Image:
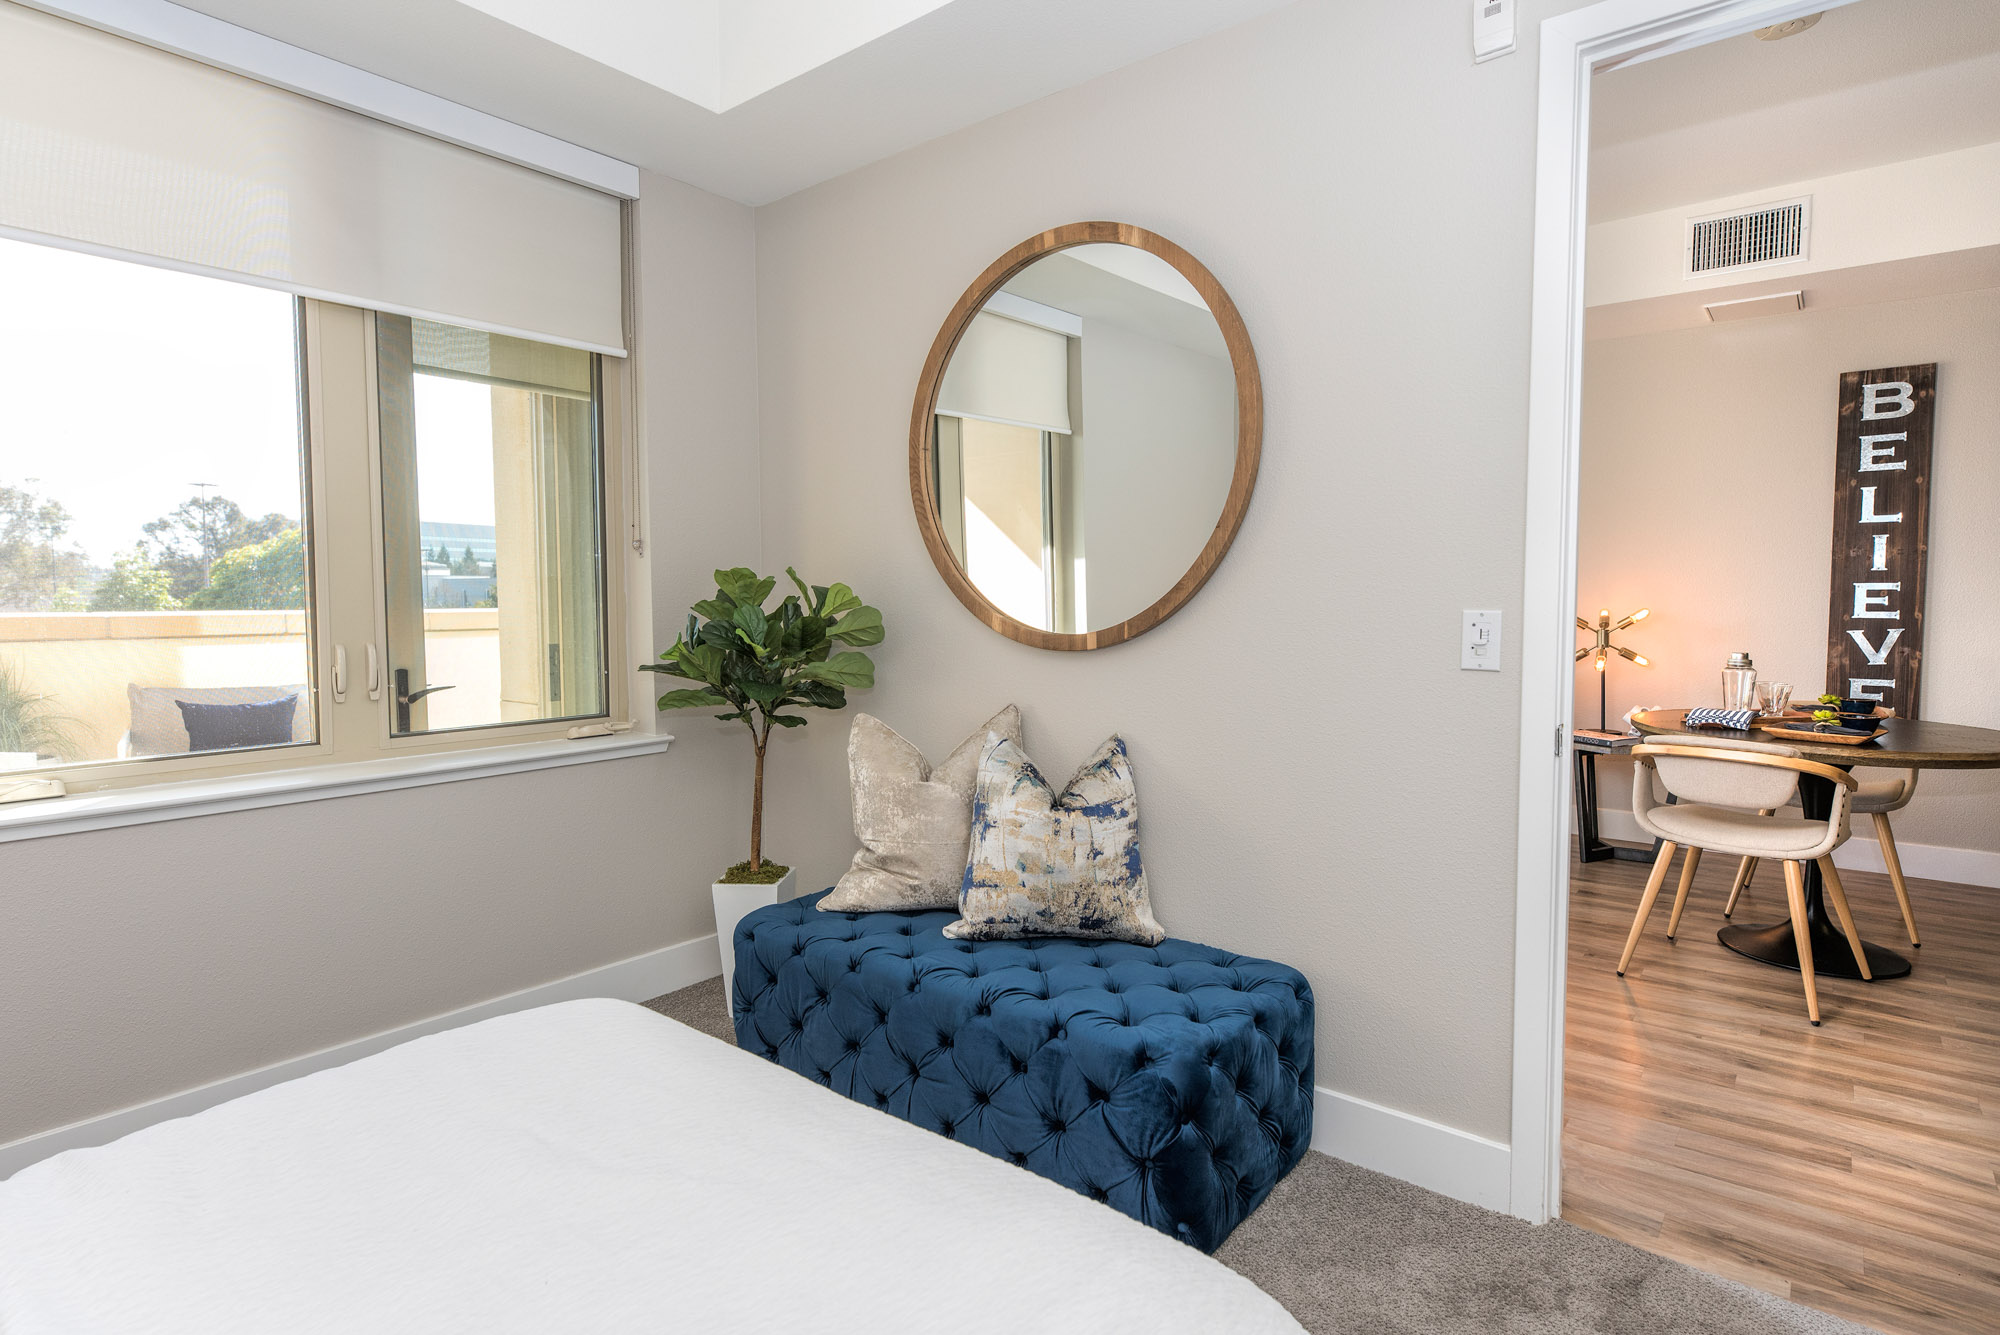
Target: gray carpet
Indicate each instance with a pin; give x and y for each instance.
(1347, 1250)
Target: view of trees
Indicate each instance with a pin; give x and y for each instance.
(39, 572)
(205, 553)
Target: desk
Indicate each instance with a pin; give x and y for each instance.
(1907, 744)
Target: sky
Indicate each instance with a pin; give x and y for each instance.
(125, 384)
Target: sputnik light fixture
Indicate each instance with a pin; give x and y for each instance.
(1601, 651)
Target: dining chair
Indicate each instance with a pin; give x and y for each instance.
(1876, 798)
(1726, 795)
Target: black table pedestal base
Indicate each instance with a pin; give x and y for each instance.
(1832, 957)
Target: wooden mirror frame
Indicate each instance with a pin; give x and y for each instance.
(1249, 431)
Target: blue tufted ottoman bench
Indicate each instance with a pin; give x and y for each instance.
(1174, 1082)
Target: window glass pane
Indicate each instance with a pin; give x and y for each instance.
(492, 528)
(153, 556)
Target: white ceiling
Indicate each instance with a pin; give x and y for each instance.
(802, 100)
(1873, 82)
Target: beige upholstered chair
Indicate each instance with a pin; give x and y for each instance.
(1877, 798)
(1725, 795)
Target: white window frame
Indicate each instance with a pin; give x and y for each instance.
(355, 748)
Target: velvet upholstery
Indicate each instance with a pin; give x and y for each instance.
(1173, 1082)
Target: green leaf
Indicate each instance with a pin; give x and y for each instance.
(848, 669)
(812, 632)
(702, 661)
(714, 610)
(763, 692)
(788, 720)
(839, 598)
(750, 620)
(805, 594)
(819, 695)
(862, 627)
(691, 700)
(718, 635)
(742, 585)
(731, 718)
(668, 669)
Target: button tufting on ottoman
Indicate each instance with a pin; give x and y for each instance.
(1174, 1082)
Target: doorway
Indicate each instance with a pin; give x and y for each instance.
(1558, 964)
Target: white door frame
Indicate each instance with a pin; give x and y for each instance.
(1573, 47)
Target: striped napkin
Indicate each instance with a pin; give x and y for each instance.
(1720, 718)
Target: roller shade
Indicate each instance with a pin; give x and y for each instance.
(112, 146)
(1007, 371)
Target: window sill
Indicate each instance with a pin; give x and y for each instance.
(245, 792)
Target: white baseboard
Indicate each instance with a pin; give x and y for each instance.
(640, 978)
(1434, 1156)
(1930, 862)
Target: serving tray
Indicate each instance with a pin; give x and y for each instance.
(1809, 735)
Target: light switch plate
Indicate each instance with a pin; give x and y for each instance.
(1479, 642)
(1492, 29)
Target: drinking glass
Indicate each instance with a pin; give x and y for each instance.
(1773, 697)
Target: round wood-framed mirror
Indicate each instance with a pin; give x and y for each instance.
(1085, 437)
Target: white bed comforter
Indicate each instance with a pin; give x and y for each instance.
(586, 1167)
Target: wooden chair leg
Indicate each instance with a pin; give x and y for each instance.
(1836, 893)
(1744, 871)
(1795, 892)
(1692, 861)
(1646, 902)
(1887, 839)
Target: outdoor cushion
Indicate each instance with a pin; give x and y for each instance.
(1173, 1082)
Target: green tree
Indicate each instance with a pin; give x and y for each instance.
(188, 541)
(135, 584)
(262, 576)
(39, 572)
(467, 564)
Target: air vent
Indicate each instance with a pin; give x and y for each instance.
(1769, 234)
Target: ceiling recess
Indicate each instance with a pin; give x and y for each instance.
(1748, 238)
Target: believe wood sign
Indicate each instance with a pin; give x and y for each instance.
(1881, 523)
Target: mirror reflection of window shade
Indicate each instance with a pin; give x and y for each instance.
(1007, 371)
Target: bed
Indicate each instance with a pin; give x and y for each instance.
(585, 1167)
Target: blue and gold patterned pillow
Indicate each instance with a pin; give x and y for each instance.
(1043, 864)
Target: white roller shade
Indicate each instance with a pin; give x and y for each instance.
(112, 146)
(1005, 371)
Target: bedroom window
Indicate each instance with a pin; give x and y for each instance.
(492, 534)
(242, 530)
(155, 583)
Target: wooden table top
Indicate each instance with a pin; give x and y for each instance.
(1908, 743)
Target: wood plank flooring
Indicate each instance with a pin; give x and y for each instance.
(1855, 1167)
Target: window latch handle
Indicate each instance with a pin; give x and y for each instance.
(374, 673)
(405, 697)
(339, 673)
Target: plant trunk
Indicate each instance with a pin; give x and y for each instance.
(757, 810)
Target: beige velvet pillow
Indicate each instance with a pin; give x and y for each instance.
(914, 821)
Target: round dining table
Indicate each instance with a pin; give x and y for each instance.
(1904, 744)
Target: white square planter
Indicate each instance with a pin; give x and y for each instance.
(732, 902)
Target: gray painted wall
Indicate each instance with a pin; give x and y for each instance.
(1319, 781)
(135, 963)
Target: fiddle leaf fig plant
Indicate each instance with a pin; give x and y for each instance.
(758, 664)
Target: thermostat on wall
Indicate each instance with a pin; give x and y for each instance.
(1492, 29)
